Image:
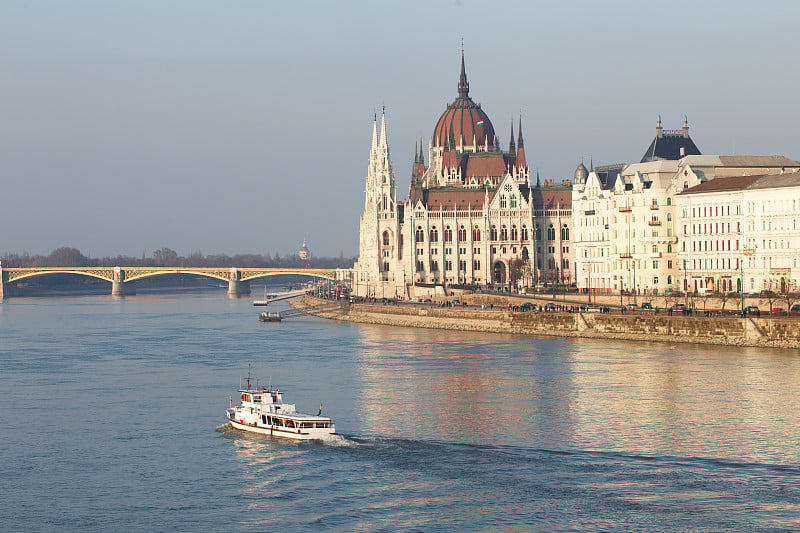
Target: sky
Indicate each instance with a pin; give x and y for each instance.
(245, 126)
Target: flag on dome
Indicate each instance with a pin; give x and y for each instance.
(480, 122)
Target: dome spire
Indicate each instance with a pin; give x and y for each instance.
(463, 84)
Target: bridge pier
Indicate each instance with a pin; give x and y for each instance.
(2, 283)
(236, 287)
(118, 285)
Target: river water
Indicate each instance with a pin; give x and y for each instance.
(113, 418)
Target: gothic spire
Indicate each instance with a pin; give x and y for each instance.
(384, 139)
(511, 148)
(521, 163)
(375, 133)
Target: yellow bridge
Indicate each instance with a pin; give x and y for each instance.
(122, 278)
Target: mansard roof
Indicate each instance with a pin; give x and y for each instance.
(722, 184)
(670, 144)
(452, 198)
(552, 198)
(735, 183)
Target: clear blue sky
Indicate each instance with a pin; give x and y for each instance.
(244, 126)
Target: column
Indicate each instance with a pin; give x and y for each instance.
(119, 287)
(236, 287)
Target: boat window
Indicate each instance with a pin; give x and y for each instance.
(269, 420)
(245, 397)
(257, 399)
(264, 418)
(290, 423)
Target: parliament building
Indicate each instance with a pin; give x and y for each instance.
(472, 218)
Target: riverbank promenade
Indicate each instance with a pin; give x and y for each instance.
(498, 314)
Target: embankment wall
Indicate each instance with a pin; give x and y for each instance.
(731, 331)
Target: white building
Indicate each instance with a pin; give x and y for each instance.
(626, 224)
(741, 228)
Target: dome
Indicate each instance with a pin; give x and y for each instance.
(463, 120)
(581, 174)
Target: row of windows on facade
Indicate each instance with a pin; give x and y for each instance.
(515, 235)
(476, 265)
(478, 251)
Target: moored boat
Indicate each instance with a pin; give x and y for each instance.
(263, 411)
(267, 316)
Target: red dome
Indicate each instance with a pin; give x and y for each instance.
(463, 119)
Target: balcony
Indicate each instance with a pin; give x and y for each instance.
(654, 207)
(589, 212)
(625, 255)
(654, 223)
(625, 209)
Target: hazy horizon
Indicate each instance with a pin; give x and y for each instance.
(245, 127)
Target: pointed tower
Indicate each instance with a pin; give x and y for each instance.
(521, 163)
(379, 225)
(512, 150)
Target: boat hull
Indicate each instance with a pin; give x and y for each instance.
(288, 433)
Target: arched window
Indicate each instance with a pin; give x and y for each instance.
(493, 233)
(551, 233)
(462, 234)
(476, 234)
(669, 217)
(502, 201)
(514, 233)
(386, 238)
(537, 233)
(503, 233)
(564, 233)
(434, 235)
(513, 201)
(420, 237)
(524, 232)
(448, 234)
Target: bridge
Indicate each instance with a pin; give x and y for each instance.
(123, 279)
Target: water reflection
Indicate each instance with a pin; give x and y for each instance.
(669, 400)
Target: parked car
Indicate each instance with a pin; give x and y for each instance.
(778, 311)
(795, 308)
(550, 306)
(628, 308)
(527, 306)
(752, 310)
(647, 305)
(678, 308)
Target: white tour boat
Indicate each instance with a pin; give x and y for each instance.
(263, 411)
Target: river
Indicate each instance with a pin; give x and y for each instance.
(113, 418)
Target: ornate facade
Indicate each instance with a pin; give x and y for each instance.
(472, 217)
